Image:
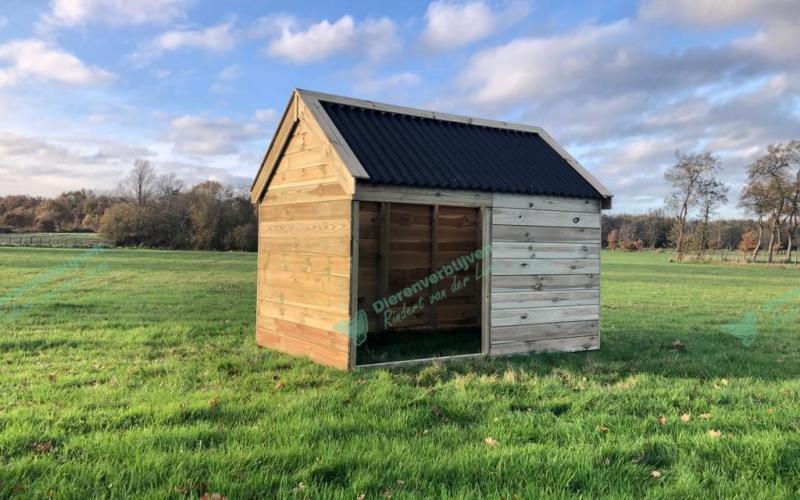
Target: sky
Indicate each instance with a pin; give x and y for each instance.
(196, 86)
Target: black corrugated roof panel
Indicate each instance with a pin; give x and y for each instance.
(407, 150)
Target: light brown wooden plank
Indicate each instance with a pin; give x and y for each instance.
(322, 210)
(332, 228)
(315, 246)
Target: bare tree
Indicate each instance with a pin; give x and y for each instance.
(711, 193)
(773, 189)
(139, 184)
(754, 200)
(689, 171)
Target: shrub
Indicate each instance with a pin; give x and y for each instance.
(121, 224)
(749, 241)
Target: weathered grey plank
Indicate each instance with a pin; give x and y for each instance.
(572, 344)
(547, 218)
(544, 331)
(544, 250)
(544, 282)
(515, 267)
(510, 317)
(545, 203)
(525, 300)
(503, 232)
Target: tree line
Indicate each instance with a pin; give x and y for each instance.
(146, 209)
(686, 222)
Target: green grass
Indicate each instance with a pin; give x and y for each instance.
(134, 374)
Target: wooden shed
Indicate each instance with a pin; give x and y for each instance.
(389, 234)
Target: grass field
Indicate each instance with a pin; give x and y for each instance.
(134, 374)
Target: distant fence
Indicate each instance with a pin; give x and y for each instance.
(53, 240)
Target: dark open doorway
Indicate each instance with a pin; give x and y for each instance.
(418, 281)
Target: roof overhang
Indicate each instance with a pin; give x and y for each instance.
(308, 101)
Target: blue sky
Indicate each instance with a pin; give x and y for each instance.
(196, 86)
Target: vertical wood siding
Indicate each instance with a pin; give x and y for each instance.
(304, 255)
(545, 274)
(416, 245)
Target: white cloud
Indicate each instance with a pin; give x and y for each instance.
(778, 22)
(195, 135)
(36, 59)
(265, 115)
(373, 37)
(718, 12)
(397, 81)
(218, 38)
(539, 67)
(73, 13)
(451, 25)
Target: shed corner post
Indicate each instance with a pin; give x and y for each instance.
(354, 243)
(485, 216)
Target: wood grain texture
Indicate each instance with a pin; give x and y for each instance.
(545, 274)
(304, 261)
(558, 203)
(544, 331)
(532, 300)
(539, 234)
(510, 317)
(572, 344)
(545, 282)
(545, 218)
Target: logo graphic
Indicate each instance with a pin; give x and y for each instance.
(356, 328)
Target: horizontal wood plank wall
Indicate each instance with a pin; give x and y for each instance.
(304, 256)
(545, 274)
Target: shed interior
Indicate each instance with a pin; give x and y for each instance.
(400, 246)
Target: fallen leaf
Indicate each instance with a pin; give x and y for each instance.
(655, 474)
(724, 381)
(705, 416)
(401, 482)
(214, 403)
(662, 420)
(685, 417)
(51, 376)
(213, 496)
(602, 428)
(361, 381)
(279, 386)
(490, 441)
(361, 496)
(714, 433)
(770, 411)
(386, 493)
(42, 448)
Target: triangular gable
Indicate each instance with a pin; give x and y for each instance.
(307, 110)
